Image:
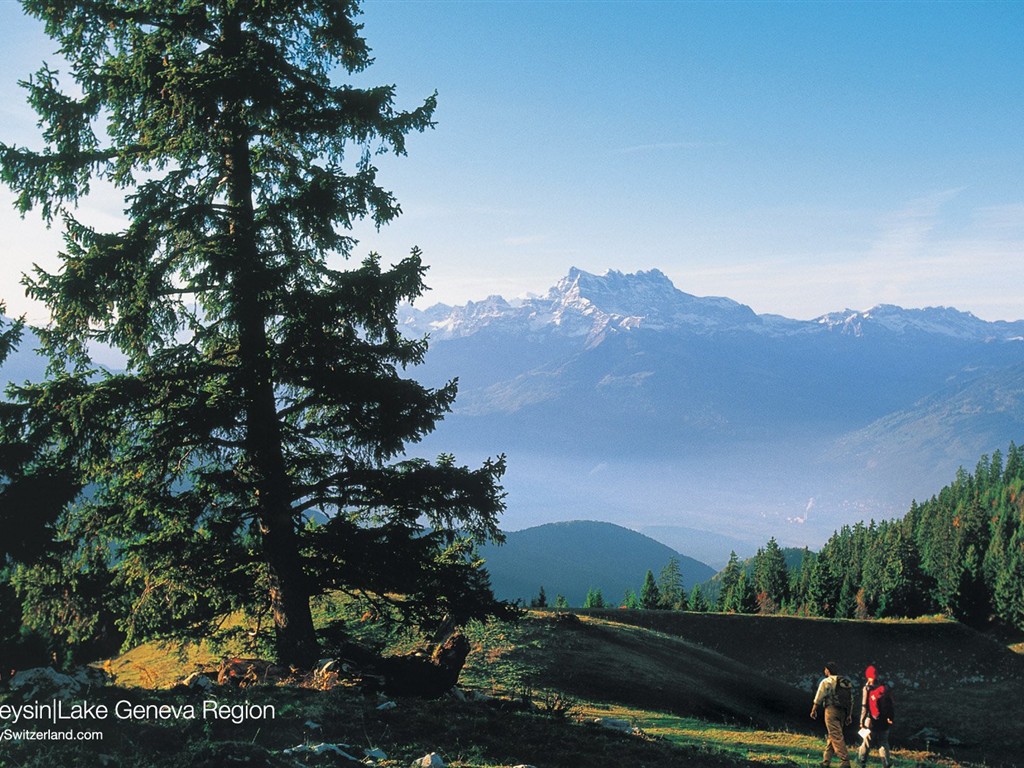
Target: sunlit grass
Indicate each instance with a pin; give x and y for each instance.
(760, 746)
(527, 662)
(159, 665)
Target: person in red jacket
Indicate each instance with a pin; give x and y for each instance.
(876, 717)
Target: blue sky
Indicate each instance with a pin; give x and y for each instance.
(797, 157)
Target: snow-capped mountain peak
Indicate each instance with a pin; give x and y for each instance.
(941, 321)
(588, 306)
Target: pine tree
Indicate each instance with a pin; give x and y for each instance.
(541, 600)
(594, 599)
(771, 577)
(727, 599)
(1008, 595)
(901, 581)
(10, 608)
(698, 602)
(822, 592)
(670, 586)
(744, 596)
(799, 582)
(1014, 464)
(650, 595)
(846, 608)
(250, 456)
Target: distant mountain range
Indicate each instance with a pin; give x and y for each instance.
(571, 558)
(619, 397)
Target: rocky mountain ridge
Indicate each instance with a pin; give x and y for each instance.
(584, 304)
(619, 397)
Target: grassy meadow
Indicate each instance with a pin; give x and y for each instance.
(535, 691)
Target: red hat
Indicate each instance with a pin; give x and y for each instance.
(871, 673)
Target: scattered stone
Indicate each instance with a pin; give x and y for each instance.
(387, 705)
(44, 682)
(198, 680)
(614, 724)
(90, 677)
(933, 737)
(457, 694)
(323, 749)
(433, 760)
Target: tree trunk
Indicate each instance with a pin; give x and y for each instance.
(289, 591)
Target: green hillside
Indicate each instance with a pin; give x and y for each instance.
(571, 558)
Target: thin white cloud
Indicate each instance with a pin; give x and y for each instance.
(1001, 218)
(928, 252)
(906, 231)
(800, 520)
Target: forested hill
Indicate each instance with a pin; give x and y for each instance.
(960, 553)
(572, 558)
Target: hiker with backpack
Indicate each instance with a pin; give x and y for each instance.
(876, 717)
(835, 697)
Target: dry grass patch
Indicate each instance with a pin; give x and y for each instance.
(159, 665)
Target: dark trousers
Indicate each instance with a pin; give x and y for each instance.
(877, 738)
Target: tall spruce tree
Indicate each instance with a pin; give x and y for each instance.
(650, 595)
(771, 577)
(728, 598)
(251, 454)
(670, 586)
(697, 601)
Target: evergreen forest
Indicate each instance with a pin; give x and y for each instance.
(960, 554)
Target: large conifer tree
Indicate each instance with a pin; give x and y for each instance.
(771, 576)
(251, 454)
